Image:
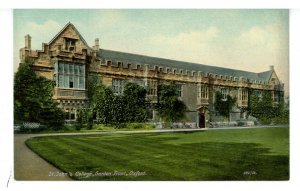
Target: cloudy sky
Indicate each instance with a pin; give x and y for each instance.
(241, 39)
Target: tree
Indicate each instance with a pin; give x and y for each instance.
(135, 104)
(94, 85)
(266, 111)
(170, 108)
(95, 93)
(25, 103)
(262, 108)
(117, 109)
(266, 105)
(53, 117)
(103, 100)
(223, 107)
(109, 107)
(254, 107)
(89, 119)
(33, 98)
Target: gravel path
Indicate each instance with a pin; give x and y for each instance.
(29, 166)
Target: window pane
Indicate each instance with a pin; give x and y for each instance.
(81, 82)
(71, 68)
(179, 88)
(81, 69)
(115, 85)
(60, 80)
(76, 69)
(72, 116)
(67, 115)
(66, 81)
(71, 81)
(76, 82)
(60, 68)
(66, 68)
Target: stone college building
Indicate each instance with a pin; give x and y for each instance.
(69, 61)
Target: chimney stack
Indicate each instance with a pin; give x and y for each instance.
(272, 68)
(96, 44)
(28, 42)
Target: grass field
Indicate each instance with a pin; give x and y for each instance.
(244, 154)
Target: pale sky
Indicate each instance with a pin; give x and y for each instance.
(249, 40)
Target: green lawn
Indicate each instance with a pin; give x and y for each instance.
(244, 154)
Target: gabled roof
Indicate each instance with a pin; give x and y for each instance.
(63, 29)
(142, 60)
(266, 75)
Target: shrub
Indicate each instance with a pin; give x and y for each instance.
(265, 120)
(139, 126)
(169, 107)
(120, 125)
(79, 119)
(89, 120)
(282, 118)
(103, 127)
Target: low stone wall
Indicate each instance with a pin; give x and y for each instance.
(239, 123)
(160, 125)
(28, 126)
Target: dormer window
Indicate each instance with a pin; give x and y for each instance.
(70, 44)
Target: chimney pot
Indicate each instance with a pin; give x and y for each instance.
(96, 44)
(28, 41)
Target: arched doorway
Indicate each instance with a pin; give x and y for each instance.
(201, 120)
(202, 116)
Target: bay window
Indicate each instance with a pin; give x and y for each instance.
(69, 75)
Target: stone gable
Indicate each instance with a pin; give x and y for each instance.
(69, 33)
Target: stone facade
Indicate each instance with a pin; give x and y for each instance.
(69, 61)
